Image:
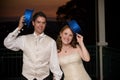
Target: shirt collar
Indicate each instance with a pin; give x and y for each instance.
(40, 35)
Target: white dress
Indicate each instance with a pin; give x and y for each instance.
(73, 67)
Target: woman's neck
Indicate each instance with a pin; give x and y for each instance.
(66, 48)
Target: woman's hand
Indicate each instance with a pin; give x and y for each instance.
(79, 38)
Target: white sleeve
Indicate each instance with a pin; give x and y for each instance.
(11, 41)
(54, 63)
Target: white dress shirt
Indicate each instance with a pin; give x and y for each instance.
(39, 54)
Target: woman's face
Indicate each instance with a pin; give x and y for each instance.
(66, 36)
(39, 25)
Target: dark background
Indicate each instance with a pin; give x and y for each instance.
(112, 17)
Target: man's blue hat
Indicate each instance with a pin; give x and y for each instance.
(28, 16)
(74, 26)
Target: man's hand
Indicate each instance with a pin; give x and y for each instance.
(21, 24)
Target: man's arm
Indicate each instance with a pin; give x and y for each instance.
(54, 63)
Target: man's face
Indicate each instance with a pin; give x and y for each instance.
(39, 24)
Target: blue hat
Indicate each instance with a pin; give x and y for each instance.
(74, 26)
(28, 16)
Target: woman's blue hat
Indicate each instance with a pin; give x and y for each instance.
(74, 26)
(28, 16)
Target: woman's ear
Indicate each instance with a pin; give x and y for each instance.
(60, 34)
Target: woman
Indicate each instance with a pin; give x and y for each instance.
(71, 52)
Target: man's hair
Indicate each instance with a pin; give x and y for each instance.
(37, 14)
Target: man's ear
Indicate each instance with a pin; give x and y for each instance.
(33, 23)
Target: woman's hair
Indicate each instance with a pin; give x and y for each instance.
(59, 41)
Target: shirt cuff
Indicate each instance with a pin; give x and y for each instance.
(56, 77)
(15, 32)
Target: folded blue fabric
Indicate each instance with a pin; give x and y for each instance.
(28, 16)
(74, 26)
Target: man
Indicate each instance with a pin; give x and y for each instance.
(39, 50)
